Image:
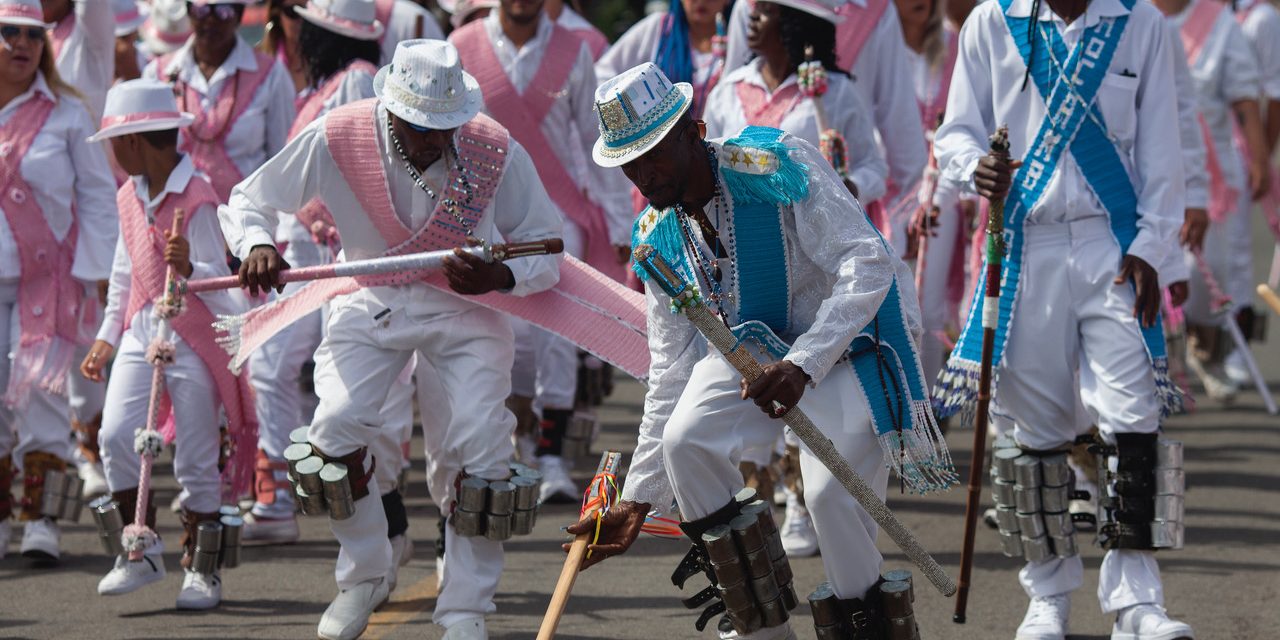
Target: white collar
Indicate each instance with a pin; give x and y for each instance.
(497, 36)
(750, 74)
(39, 85)
(241, 57)
(177, 183)
(1096, 10)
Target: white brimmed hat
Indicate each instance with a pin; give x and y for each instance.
(140, 105)
(167, 28)
(26, 13)
(352, 18)
(426, 86)
(825, 9)
(462, 9)
(130, 14)
(636, 109)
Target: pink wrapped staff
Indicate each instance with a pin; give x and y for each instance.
(148, 441)
(425, 261)
(1223, 303)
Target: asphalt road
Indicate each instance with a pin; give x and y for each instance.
(1226, 582)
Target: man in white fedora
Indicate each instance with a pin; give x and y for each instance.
(242, 99)
(415, 169)
(538, 81)
(142, 122)
(768, 233)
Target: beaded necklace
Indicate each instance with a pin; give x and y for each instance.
(708, 265)
(464, 185)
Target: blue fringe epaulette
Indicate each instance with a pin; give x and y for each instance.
(756, 167)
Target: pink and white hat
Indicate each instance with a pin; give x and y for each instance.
(25, 13)
(130, 14)
(352, 18)
(825, 9)
(462, 9)
(135, 106)
(167, 28)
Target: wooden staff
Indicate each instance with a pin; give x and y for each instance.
(990, 313)
(592, 506)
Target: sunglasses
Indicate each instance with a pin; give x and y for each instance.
(223, 12)
(13, 32)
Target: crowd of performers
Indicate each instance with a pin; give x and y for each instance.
(814, 173)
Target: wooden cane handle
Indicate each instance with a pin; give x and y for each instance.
(564, 586)
(1269, 297)
(178, 215)
(502, 252)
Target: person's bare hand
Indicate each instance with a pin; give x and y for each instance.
(1178, 292)
(177, 253)
(260, 270)
(96, 360)
(470, 275)
(1195, 223)
(1259, 180)
(619, 529)
(782, 382)
(1146, 305)
(994, 176)
(622, 252)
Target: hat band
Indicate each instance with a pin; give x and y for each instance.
(8, 10)
(128, 16)
(424, 103)
(665, 110)
(143, 116)
(337, 20)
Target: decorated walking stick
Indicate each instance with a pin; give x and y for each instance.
(686, 299)
(601, 495)
(148, 441)
(990, 313)
(1223, 304)
(812, 78)
(425, 261)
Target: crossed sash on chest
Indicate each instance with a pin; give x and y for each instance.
(1074, 123)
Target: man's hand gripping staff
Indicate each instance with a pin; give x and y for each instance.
(621, 526)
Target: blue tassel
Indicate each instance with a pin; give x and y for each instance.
(786, 186)
(665, 237)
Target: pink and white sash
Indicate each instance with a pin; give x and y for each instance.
(62, 32)
(852, 34)
(595, 41)
(382, 10)
(763, 109)
(586, 307)
(522, 115)
(49, 299)
(195, 324)
(206, 139)
(1195, 32)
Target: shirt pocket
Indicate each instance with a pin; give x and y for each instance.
(1117, 99)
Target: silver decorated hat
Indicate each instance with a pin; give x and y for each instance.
(636, 109)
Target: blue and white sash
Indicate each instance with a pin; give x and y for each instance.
(883, 355)
(1075, 122)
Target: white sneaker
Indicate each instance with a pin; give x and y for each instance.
(989, 518)
(6, 531)
(1236, 369)
(557, 486)
(95, 482)
(175, 505)
(262, 530)
(798, 537)
(526, 449)
(1149, 622)
(40, 540)
(127, 576)
(401, 554)
(348, 614)
(469, 629)
(199, 590)
(1217, 385)
(1046, 618)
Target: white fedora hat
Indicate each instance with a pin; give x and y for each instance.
(130, 14)
(140, 105)
(426, 86)
(167, 28)
(352, 18)
(636, 109)
(825, 9)
(462, 9)
(23, 12)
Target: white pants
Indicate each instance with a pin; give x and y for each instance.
(42, 423)
(358, 361)
(934, 307)
(1229, 254)
(1072, 324)
(196, 414)
(546, 365)
(710, 427)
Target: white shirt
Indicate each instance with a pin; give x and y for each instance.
(208, 260)
(1139, 108)
(88, 57)
(1196, 179)
(840, 272)
(64, 171)
(1225, 72)
(1262, 28)
(408, 21)
(640, 44)
(262, 129)
(879, 73)
(304, 169)
(571, 118)
(845, 111)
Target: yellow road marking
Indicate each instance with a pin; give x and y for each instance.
(405, 606)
